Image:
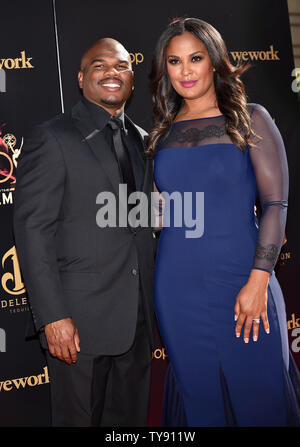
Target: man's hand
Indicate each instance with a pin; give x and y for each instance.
(63, 340)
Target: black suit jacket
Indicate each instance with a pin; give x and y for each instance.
(71, 267)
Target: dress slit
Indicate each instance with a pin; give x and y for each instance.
(173, 413)
(228, 408)
(292, 393)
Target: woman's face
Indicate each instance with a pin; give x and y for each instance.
(189, 67)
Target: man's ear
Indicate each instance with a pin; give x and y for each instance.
(80, 79)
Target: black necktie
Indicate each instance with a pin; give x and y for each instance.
(122, 154)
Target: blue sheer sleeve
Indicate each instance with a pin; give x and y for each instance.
(269, 162)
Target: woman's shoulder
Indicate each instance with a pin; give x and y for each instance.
(252, 106)
(262, 122)
(257, 111)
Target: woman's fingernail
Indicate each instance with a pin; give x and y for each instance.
(235, 317)
(237, 334)
(246, 340)
(268, 331)
(255, 338)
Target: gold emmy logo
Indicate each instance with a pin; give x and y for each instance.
(8, 156)
(12, 279)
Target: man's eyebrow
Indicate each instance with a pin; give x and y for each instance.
(97, 60)
(120, 61)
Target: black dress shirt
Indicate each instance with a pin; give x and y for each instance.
(101, 117)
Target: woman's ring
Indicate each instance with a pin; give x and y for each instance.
(257, 320)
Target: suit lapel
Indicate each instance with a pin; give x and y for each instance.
(97, 143)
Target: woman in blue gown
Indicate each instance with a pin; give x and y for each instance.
(219, 306)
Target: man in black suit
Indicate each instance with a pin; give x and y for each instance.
(89, 287)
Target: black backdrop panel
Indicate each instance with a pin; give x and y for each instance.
(32, 94)
(255, 31)
(28, 56)
(245, 26)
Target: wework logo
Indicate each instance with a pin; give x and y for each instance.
(16, 63)
(271, 55)
(2, 340)
(22, 382)
(294, 325)
(11, 64)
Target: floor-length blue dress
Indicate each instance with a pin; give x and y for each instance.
(216, 379)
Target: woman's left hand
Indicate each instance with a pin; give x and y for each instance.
(251, 303)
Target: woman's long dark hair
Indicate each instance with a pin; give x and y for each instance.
(230, 92)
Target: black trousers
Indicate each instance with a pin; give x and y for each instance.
(104, 390)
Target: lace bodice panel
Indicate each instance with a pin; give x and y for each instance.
(196, 132)
(270, 168)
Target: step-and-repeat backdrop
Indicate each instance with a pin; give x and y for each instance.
(40, 51)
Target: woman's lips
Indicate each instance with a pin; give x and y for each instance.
(188, 84)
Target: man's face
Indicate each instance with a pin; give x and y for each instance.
(106, 76)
